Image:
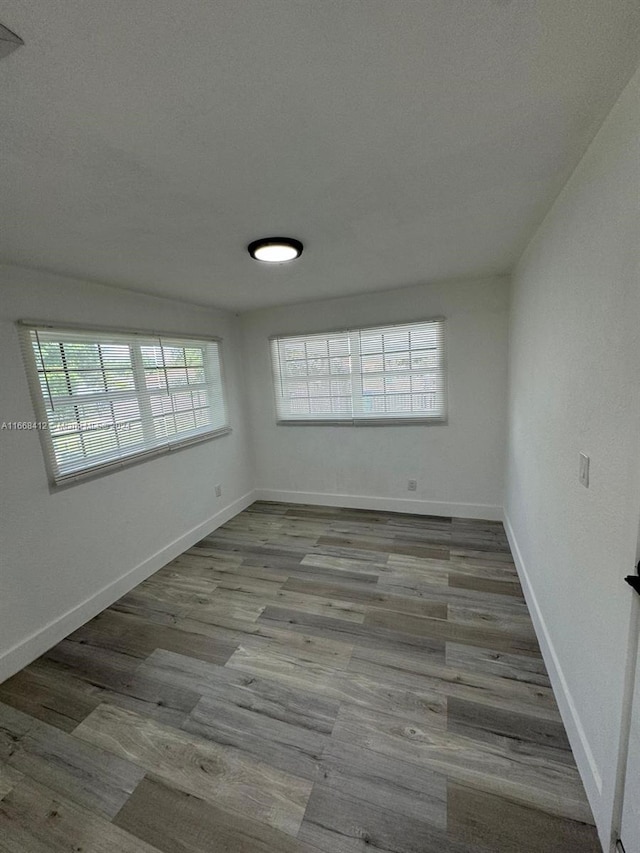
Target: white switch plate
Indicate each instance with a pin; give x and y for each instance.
(583, 475)
(412, 485)
(218, 491)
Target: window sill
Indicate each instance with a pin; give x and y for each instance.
(66, 481)
(367, 422)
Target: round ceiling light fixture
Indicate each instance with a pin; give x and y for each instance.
(275, 250)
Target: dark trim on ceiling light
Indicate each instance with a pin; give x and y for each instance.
(263, 242)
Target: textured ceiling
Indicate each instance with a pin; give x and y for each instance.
(146, 142)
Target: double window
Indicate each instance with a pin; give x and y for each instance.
(104, 398)
(377, 375)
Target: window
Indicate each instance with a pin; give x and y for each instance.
(106, 398)
(380, 375)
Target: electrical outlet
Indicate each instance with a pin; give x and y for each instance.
(218, 491)
(583, 474)
(412, 485)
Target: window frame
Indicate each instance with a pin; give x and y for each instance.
(355, 420)
(58, 481)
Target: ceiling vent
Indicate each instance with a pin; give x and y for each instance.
(8, 42)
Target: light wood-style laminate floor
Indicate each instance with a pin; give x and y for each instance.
(304, 679)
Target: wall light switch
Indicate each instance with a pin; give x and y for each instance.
(218, 491)
(583, 475)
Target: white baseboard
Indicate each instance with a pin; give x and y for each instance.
(582, 752)
(27, 650)
(418, 507)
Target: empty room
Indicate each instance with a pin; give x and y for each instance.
(320, 426)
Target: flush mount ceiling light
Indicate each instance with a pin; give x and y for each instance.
(275, 250)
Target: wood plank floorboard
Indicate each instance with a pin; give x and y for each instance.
(36, 819)
(90, 676)
(386, 782)
(550, 785)
(419, 672)
(497, 725)
(499, 586)
(176, 822)
(9, 778)
(198, 766)
(48, 699)
(475, 816)
(358, 689)
(513, 667)
(289, 748)
(340, 823)
(375, 597)
(302, 680)
(386, 636)
(137, 638)
(85, 774)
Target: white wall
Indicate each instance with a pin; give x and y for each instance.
(574, 386)
(66, 556)
(458, 466)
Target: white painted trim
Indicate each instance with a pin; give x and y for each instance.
(419, 507)
(582, 752)
(27, 650)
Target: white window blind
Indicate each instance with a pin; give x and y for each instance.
(376, 375)
(105, 397)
